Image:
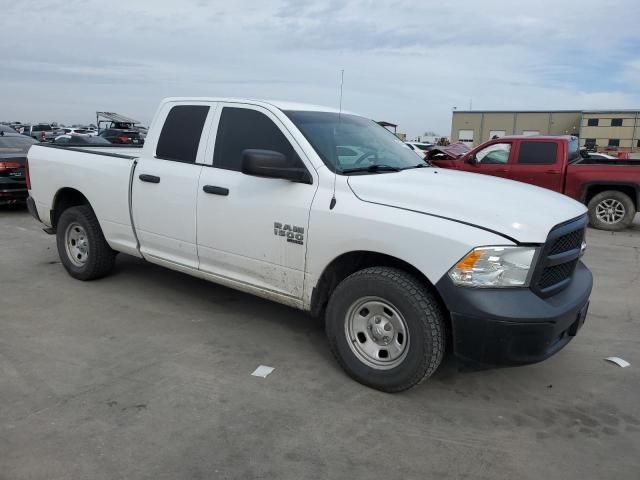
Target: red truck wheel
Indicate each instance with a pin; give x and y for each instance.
(611, 210)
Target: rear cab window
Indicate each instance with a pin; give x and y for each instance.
(181, 132)
(537, 153)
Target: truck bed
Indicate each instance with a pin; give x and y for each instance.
(102, 174)
(123, 151)
(612, 161)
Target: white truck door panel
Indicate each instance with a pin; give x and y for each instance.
(165, 212)
(165, 184)
(253, 229)
(257, 233)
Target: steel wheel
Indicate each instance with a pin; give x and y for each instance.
(377, 333)
(76, 244)
(610, 211)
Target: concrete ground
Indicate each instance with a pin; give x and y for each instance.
(146, 374)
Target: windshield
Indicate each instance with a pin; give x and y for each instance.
(346, 142)
(15, 144)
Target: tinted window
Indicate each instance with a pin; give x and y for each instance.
(592, 122)
(616, 122)
(537, 153)
(614, 142)
(180, 135)
(241, 129)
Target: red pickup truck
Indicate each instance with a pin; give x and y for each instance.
(610, 188)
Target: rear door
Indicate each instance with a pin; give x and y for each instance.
(494, 159)
(539, 162)
(253, 230)
(165, 184)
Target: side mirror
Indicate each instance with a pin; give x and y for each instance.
(471, 160)
(271, 164)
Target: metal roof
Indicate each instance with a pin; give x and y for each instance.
(116, 117)
(518, 111)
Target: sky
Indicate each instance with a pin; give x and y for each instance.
(407, 62)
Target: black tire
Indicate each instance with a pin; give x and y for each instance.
(421, 312)
(100, 258)
(612, 196)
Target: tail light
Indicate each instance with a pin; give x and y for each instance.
(26, 174)
(123, 138)
(9, 165)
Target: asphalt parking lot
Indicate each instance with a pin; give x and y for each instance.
(146, 374)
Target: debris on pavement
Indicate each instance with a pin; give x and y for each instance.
(262, 371)
(618, 361)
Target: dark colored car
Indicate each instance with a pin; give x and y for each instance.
(7, 129)
(80, 140)
(13, 156)
(116, 135)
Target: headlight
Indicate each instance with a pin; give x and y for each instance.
(494, 267)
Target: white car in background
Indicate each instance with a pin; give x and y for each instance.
(75, 131)
(420, 148)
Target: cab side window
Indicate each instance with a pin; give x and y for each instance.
(495, 154)
(181, 133)
(537, 153)
(241, 129)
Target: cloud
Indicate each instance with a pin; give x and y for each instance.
(407, 62)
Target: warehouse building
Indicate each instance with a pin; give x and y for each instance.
(613, 130)
(476, 127)
(606, 130)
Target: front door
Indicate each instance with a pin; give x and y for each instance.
(491, 160)
(253, 230)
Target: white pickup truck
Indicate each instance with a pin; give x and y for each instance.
(330, 213)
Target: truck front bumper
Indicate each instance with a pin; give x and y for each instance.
(502, 326)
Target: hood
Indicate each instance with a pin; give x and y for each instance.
(517, 210)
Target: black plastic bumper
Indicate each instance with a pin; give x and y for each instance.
(31, 206)
(515, 326)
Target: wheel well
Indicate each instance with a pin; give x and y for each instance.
(629, 190)
(348, 263)
(65, 199)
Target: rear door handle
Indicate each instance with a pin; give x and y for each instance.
(149, 178)
(554, 172)
(216, 190)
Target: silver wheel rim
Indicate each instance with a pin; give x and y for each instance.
(76, 244)
(610, 211)
(377, 333)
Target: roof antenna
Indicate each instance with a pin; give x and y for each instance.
(335, 168)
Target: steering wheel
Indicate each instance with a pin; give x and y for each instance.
(364, 156)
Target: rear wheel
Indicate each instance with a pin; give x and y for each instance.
(83, 250)
(385, 328)
(611, 210)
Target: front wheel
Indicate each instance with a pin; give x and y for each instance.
(386, 329)
(611, 210)
(83, 250)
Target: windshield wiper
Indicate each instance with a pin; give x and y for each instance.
(419, 165)
(371, 169)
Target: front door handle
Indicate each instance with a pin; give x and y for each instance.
(552, 172)
(215, 190)
(149, 178)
